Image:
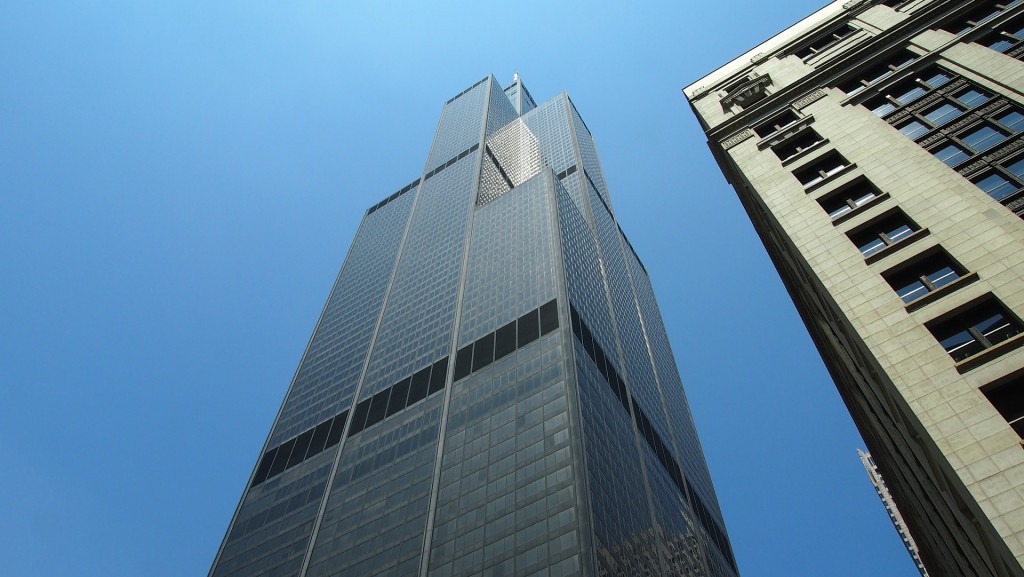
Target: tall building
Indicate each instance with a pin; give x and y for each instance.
(877, 148)
(882, 490)
(489, 389)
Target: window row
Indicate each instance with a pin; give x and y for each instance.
(368, 412)
(504, 341)
(566, 172)
(381, 204)
(824, 41)
(967, 21)
(924, 106)
(1006, 37)
(451, 161)
(305, 446)
(478, 83)
(981, 326)
(399, 396)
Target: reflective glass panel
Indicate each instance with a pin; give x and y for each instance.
(913, 129)
(1017, 168)
(1013, 120)
(942, 114)
(983, 137)
(951, 154)
(996, 186)
(972, 97)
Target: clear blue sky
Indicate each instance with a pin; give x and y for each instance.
(179, 182)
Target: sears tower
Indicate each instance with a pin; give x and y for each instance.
(489, 389)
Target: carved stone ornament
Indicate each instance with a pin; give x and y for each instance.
(991, 107)
(1004, 151)
(953, 86)
(967, 121)
(810, 97)
(976, 165)
(897, 117)
(924, 102)
(737, 138)
(747, 93)
(925, 143)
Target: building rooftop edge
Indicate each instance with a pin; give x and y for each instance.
(779, 39)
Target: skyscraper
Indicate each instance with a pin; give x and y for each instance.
(878, 148)
(490, 389)
(882, 490)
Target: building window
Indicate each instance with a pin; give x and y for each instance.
(776, 124)
(1008, 399)
(1005, 37)
(961, 146)
(791, 147)
(869, 76)
(1003, 180)
(951, 154)
(849, 199)
(907, 91)
(825, 41)
(821, 169)
(982, 326)
(924, 275)
(969, 21)
(883, 233)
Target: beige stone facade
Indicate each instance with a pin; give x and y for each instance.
(878, 148)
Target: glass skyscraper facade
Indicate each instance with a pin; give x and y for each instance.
(489, 389)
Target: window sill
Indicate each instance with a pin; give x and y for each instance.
(914, 237)
(942, 291)
(805, 152)
(785, 132)
(990, 353)
(860, 209)
(830, 178)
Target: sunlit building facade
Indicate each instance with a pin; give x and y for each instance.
(878, 149)
(489, 389)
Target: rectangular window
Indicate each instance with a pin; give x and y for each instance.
(972, 97)
(1008, 35)
(804, 140)
(883, 233)
(849, 199)
(951, 154)
(907, 91)
(825, 41)
(821, 169)
(942, 113)
(924, 275)
(970, 20)
(980, 327)
(995, 185)
(868, 76)
(1011, 119)
(913, 129)
(775, 124)
(1008, 399)
(982, 137)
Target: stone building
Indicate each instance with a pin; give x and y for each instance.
(877, 147)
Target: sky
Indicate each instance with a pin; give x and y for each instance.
(180, 181)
